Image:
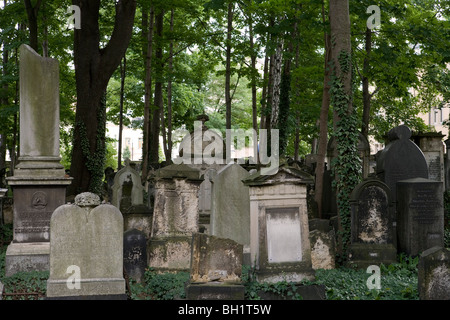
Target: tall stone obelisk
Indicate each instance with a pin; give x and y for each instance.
(39, 182)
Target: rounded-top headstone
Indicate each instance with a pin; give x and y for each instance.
(401, 132)
(87, 199)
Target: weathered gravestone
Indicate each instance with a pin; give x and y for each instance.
(433, 149)
(135, 254)
(279, 232)
(128, 197)
(216, 269)
(372, 229)
(39, 182)
(420, 215)
(127, 189)
(230, 217)
(434, 274)
(323, 244)
(175, 217)
(86, 251)
(204, 201)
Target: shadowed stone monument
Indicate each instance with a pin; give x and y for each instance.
(86, 251)
(420, 215)
(39, 182)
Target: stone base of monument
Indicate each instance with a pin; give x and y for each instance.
(362, 255)
(87, 288)
(170, 253)
(290, 273)
(26, 257)
(215, 291)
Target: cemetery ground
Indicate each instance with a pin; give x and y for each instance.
(398, 282)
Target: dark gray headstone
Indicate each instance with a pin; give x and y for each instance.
(135, 254)
(434, 274)
(401, 159)
(372, 229)
(420, 215)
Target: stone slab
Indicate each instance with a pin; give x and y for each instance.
(26, 257)
(210, 291)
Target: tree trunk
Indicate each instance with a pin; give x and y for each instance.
(341, 58)
(123, 68)
(32, 14)
(262, 124)
(148, 54)
(323, 123)
(228, 66)
(93, 69)
(254, 75)
(169, 95)
(365, 84)
(158, 99)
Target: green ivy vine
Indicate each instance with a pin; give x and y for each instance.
(347, 166)
(95, 161)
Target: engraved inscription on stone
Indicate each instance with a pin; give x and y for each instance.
(425, 206)
(284, 242)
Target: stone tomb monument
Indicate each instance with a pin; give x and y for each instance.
(434, 274)
(39, 182)
(135, 254)
(420, 215)
(86, 251)
(372, 229)
(216, 269)
(230, 217)
(433, 149)
(175, 217)
(279, 232)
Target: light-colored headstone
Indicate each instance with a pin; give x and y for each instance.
(39, 182)
(230, 216)
(86, 245)
(127, 177)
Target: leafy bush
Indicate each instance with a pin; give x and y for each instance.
(398, 282)
(21, 284)
(160, 286)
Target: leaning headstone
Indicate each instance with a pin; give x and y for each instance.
(175, 217)
(401, 159)
(420, 210)
(434, 274)
(279, 231)
(135, 254)
(372, 230)
(216, 269)
(86, 251)
(230, 217)
(39, 182)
